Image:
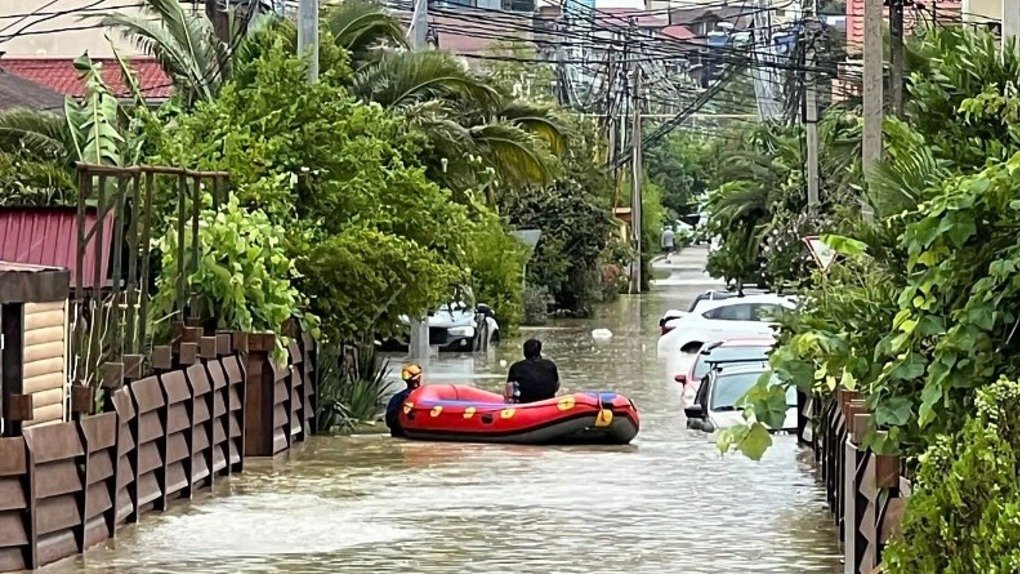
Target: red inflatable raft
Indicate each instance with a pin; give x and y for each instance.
(464, 413)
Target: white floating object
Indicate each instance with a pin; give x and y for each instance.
(601, 334)
(502, 363)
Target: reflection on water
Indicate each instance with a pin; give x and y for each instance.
(666, 503)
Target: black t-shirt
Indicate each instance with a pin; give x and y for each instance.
(537, 379)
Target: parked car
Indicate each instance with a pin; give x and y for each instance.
(710, 295)
(744, 350)
(454, 327)
(733, 317)
(716, 404)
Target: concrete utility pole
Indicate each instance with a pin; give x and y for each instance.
(420, 25)
(1010, 22)
(418, 346)
(873, 104)
(811, 126)
(896, 56)
(636, 179)
(308, 36)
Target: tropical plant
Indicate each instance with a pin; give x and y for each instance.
(183, 41)
(241, 280)
(361, 217)
(364, 29)
(92, 123)
(964, 512)
(469, 125)
(25, 180)
(921, 315)
(352, 387)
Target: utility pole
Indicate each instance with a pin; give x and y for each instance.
(420, 25)
(897, 59)
(308, 36)
(873, 105)
(636, 178)
(418, 344)
(1010, 23)
(811, 123)
(220, 20)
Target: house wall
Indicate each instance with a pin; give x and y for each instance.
(45, 362)
(982, 10)
(57, 29)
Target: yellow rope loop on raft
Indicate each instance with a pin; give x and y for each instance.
(469, 412)
(436, 410)
(408, 407)
(604, 418)
(566, 403)
(507, 413)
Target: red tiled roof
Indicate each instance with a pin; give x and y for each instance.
(49, 236)
(59, 75)
(677, 32)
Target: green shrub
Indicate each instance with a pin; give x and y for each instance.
(495, 261)
(243, 280)
(536, 304)
(964, 515)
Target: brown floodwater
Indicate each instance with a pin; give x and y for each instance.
(666, 503)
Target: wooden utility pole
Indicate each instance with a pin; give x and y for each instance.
(1010, 23)
(636, 179)
(308, 36)
(897, 59)
(871, 151)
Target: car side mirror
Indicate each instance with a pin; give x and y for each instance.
(681, 378)
(693, 412)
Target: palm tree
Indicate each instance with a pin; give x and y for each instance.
(184, 43)
(365, 29)
(466, 120)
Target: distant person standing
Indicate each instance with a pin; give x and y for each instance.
(536, 377)
(667, 243)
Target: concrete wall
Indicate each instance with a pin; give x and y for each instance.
(57, 29)
(982, 10)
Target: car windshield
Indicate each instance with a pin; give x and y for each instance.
(729, 389)
(702, 366)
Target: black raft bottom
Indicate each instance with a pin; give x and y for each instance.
(576, 431)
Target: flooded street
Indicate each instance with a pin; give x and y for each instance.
(666, 503)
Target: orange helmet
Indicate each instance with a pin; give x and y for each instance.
(411, 374)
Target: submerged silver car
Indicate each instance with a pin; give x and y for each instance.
(716, 405)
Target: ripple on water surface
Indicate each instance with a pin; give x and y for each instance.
(667, 503)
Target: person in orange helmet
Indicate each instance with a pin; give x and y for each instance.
(411, 375)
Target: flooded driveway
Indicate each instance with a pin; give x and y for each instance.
(666, 503)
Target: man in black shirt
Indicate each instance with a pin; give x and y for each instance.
(536, 376)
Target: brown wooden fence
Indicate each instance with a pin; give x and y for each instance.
(68, 486)
(865, 491)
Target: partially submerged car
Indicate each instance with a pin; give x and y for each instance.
(666, 322)
(716, 406)
(729, 318)
(454, 327)
(741, 350)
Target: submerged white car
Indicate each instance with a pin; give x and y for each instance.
(723, 319)
(455, 327)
